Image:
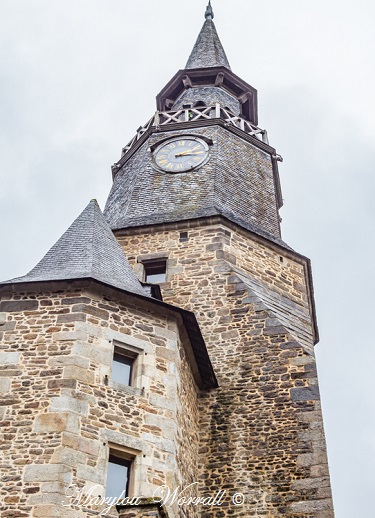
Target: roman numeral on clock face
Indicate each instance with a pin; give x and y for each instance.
(181, 154)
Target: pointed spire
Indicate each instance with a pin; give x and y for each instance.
(88, 249)
(209, 15)
(208, 50)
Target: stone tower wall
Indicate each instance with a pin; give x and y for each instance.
(261, 430)
(60, 415)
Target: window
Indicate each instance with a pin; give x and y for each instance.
(118, 475)
(123, 366)
(155, 271)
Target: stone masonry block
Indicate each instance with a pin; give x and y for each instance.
(75, 317)
(15, 306)
(168, 426)
(53, 487)
(324, 492)
(68, 336)
(4, 385)
(46, 498)
(47, 473)
(51, 422)
(123, 440)
(163, 402)
(92, 474)
(91, 310)
(166, 333)
(305, 393)
(311, 483)
(70, 359)
(55, 511)
(312, 459)
(142, 345)
(81, 444)
(8, 358)
(69, 404)
(80, 374)
(319, 471)
(165, 445)
(302, 360)
(8, 326)
(168, 354)
(75, 300)
(97, 354)
(311, 506)
(313, 417)
(89, 329)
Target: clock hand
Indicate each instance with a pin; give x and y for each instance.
(185, 153)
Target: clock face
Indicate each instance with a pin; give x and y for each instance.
(180, 154)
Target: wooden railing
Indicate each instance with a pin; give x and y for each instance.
(196, 114)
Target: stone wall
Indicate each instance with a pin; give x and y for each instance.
(61, 411)
(261, 430)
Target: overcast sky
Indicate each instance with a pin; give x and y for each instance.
(78, 77)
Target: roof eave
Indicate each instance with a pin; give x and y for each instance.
(206, 378)
(220, 77)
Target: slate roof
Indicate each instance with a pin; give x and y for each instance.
(88, 249)
(208, 50)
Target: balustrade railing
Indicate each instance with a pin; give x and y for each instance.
(163, 118)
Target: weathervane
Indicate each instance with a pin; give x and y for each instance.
(209, 15)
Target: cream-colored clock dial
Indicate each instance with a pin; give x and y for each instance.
(179, 155)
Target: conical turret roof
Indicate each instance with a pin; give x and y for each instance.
(88, 249)
(208, 50)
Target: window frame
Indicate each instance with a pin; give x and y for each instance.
(130, 358)
(136, 355)
(155, 264)
(124, 458)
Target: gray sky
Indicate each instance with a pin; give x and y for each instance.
(78, 77)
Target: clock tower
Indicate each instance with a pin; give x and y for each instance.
(195, 205)
(159, 360)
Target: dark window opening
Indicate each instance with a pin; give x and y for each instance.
(122, 367)
(184, 236)
(200, 104)
(155, 271)
(153, 290)
(118, 477)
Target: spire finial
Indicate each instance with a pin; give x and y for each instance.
(209, 14)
